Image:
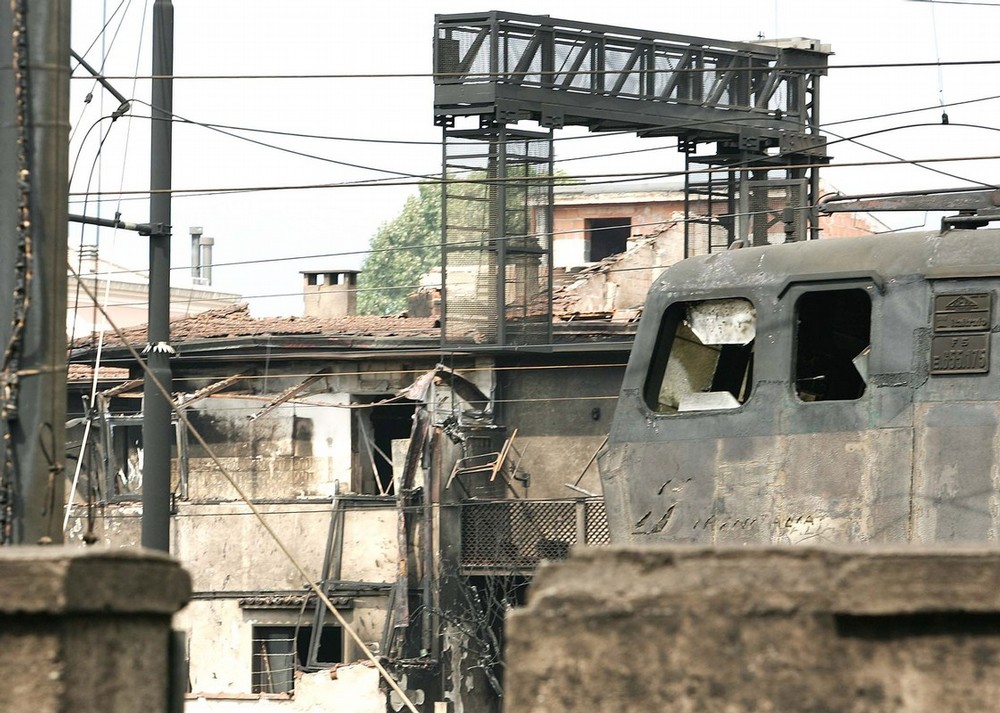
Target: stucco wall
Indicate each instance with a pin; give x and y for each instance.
(562, 416)
(227, 549)
(353, 689)
(569, 246)
(294, 450)
(229, 554)
(302, 447)
(751, 629)
(220, 639)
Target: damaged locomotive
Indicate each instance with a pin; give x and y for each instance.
(818, 392)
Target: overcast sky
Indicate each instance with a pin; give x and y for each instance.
(377, 37)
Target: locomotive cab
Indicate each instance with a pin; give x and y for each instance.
(824, 391)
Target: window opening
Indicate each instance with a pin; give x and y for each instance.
(125, 457)
(376, 428)
(122, 456)
(607, 236)
(703, 358)
(279, 650)
(832, 343)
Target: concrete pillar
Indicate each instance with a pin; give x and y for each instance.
(88, 631)
(754, 629)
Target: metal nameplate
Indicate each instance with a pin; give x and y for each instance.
(960, 354)
(963, 312)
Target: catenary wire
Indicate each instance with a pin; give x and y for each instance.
(555, 139)
(651, 224)
(958, 2)
(687, 125)
(591, 179)
(366, 251)
(432, 177)
(749, 164)
(303, 154)
(100, 35)
(659, 148)
(484, 76)
(103, 30)
(121, 181)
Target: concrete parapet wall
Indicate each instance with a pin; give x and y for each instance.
(759, 629)
(87, 631)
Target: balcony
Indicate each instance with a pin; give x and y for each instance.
(513, 536)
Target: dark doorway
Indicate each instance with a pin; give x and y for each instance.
(376, 428)
(607, 236)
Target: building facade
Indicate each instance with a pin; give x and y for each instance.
(418, 489)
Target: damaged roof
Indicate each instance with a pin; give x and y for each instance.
(235, 322)
(233, 328)
(585, 293)
(85, 372)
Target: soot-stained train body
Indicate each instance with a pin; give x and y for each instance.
(825, 391)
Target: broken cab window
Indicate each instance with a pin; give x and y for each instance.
(703, 360)
(832, 343)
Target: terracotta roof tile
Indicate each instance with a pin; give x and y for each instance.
(235, 321)
(85, 372)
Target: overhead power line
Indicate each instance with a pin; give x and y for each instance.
(654, 225)
(366, 182)
(958, 2)
(284, 149)
(483, 76)
(556, 139)
(593, 179)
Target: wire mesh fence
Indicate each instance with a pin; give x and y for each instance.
(515, 535)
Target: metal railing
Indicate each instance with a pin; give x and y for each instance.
(588, 66)
(513, 536)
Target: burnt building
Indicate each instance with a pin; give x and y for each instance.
(417, 486)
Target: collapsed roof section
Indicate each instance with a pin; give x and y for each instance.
(232, 330)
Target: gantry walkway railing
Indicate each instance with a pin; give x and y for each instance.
(559, 72)
(758, 102)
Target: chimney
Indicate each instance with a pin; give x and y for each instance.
(196, 233)
(201, 256)
(206, 245)
(329, 293)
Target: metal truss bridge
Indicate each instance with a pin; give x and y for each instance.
(758, 103)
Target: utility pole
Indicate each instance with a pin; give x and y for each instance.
(34, 159)
(157, 429)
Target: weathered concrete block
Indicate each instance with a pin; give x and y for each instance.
(759, 629)
(87, 630)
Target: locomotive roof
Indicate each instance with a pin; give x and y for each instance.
(925, 254)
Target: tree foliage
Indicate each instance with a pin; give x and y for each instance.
(408, 247)
(403, 250)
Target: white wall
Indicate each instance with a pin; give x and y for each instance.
(354, 690)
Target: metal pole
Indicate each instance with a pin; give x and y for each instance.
(157, 429)
(34, 153)
(498, 231)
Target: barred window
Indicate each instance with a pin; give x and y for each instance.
(278, 651)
